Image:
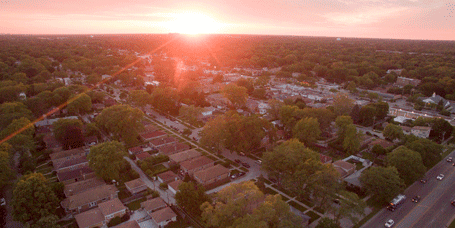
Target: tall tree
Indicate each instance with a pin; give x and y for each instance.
(237, 95)
(429, 150)
(351, 207)
(191, 196)
(33, 199)
(61, 126)
(351, 142)
(392, 132)
(106, 159)
(342, 122)
(140, 97)
(408, 163)
(383, 183)
(342, 104)
(274, 110)
(10, 111)
(307, 130)
(191, 113)
(79, 104)
(6, 173)
(22, 141)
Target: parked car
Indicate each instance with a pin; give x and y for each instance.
(423, 181)
(453, 202)
(449, 159)
(259, 162)
(2, 202)
(440, 177)
(246, 165)
(416, 199)
(237, 160)
(389, 223)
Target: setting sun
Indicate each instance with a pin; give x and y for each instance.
(193, 23)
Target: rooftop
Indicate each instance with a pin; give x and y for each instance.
(210, 173)
(81, 186)
(195, 163)
(163, 215)
(111, 206)
(94, 194)
(153, 204)
(89, 218)
(184, 155)
(134, 183)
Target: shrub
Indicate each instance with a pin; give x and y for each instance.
(115, 221)
(163, 186)
(125, 217)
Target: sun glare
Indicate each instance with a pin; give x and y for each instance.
(193, 23)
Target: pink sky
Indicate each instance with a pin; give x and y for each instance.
(401, 19)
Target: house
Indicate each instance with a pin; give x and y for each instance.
(436, 99)
(90, 141)
(421, 131)
(402, 81)
(149, 128)
(135, 186)
(142, 156)
(173, 148)
(139, 149)
(82, 186)
(167, 177)
(89, 199)
(153, 205)
(91, 218)
(112, 208)
(151, 135)
(325, 159)
(62, 156)
(184, 156)
(98, 106)
(212, 175)
(381, 142)
(206, 113)
(197, 164)
(162, 141)
(76, 175)
(344, 168)
(73, 164)
(51, 142)
(164, 216)
(174, 186)
(129, 224)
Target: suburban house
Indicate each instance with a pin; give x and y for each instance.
(344, 168)
(139, 149)
(90, 218)
(212, 175)
(51, 142)
(73, 164)
(76, 175)
(65, 155)
(142, 156)
(184, 156)
(112, 208)
(153, 205)
(167, 177)
(174, 186)
(152, 135)
(421, 131)
(129, 224)
(149, 128)
(197, 164)
(173, 148)
(164, 216)
(82, 186)
(381, 142)
(135, 186)
(88, 199)
(162, 141)
(402, 81)
(325, 159)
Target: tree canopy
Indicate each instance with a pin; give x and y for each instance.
(408, 163)
(106, 159)
(383, 183)
(191, 196)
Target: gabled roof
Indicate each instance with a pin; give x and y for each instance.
(421, 128)
(163, 140)
(142, 156)
(195, 163)
(68, 153)
(73, 174)
(173, 148)
(168, 175)
(175, 184)
(344, 165)
(151, 135)
(71, 162)
(163, 215)
(89, 218)
(134, 183)
(185, 155)
(82, 186)
(111, 206)
(130, 224)
(153, 204)
(210, 173)
(92, 195)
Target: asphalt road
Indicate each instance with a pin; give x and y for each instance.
(434, 208)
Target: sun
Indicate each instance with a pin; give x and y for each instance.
(193, 23)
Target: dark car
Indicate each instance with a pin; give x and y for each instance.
(453, 202)
(246, 165)
(416, 199)
(423, 181)
(237, 160)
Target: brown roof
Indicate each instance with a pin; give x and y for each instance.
(130, 224)
(149, 128)
(152, 135)
(167, 176)
(71, 162)
(184, 155)
(134, 183)
(175, 184)
(163, 215)
(421, 128)
(341, 171)
(381, 142)
(173, 148)
(325, 159)
(73, 174)
(195, 163)
(92, 195)
(89, 218)
(67, 153)
(111, 206)
(81, 186)
(344, 165)
(210, 173)
(136, 150)
(163, 140)
(153, 204)
(142, 155)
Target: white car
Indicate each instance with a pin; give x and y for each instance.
(389, 223)
(440, 176)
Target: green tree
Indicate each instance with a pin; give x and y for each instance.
(383, 183)
(140, 97)
(122, 121)
(351, 207)
(79, 104)
(378, 150)
(49, 221)
(33, 199)
(441, 129)
(6, 173)
(326, 222)
(342, 104)
(20, 135)
(237, 95)
(165, 99)
(191, 113)
(392, 132)
(307, 130)
(213, 135)
(61, 126)
(408, 163)
(342, 122)
(10, 111)
(244, 205)
(351, 142)
(106, 159)
(429, 150)
(191, 196)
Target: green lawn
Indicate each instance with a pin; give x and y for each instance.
(313, 216)
(135, 205)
